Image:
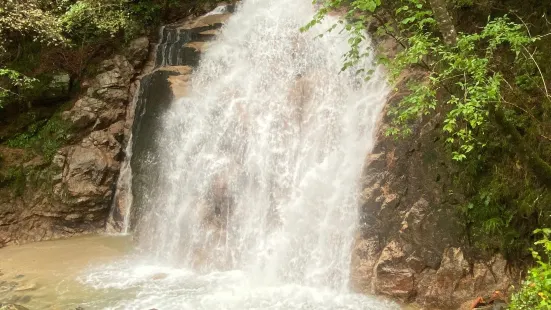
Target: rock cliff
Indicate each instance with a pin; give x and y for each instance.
(411, 246)
(71, 192)
(167, 78)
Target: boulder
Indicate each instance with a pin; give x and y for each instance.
(84, 112)
(86, 169)
(137, 51)
(111, 78)
(113, 83)
(364, 259)
(53, 87)
(115, 95)
(81, 119)
(108, 117)
(392, 276)
(59, 86)
(441, 287)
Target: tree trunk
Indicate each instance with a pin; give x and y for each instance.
(166, 10)
(444, 21)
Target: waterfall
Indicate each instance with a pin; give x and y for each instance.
(255, 199)
(119, 216)
(261, 161)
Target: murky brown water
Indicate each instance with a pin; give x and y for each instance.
(104, 272)
(44, 275)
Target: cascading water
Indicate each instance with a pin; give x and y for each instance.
(256, 201)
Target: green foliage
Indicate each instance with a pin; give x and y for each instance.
(22, 21)
(15, 178)
(95, 18)
(487, 91)
(26, 18)
(45, 137)
(505, 203)
(535, 292)
(89, 19)
(67, 24)
(356, 25)
(15, 79)
(70, 30)
(463, 3)
(466, 71)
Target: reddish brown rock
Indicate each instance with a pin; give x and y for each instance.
(411, 245)
(71, 193)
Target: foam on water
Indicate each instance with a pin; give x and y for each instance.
(150, 286)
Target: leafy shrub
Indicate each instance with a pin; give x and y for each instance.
(535, 292)
(44, 138)
(86, 19)
(486, 87)
(15, 79)
(15, 178)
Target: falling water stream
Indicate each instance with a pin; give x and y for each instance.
(260, 163)
(257, 176)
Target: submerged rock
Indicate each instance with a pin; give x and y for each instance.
(12, 307)
(26, 287)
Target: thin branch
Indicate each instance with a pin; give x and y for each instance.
(387, 31)
(520, 108)
(522, 21)
(541, 73)
(527, 112)
(546, 20)
(466, 88)
(9, 91)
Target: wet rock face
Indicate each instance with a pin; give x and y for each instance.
(72, 194)
(165, 77)
(411, 246)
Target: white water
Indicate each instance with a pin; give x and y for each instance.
(257, 204)
(122, 200)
